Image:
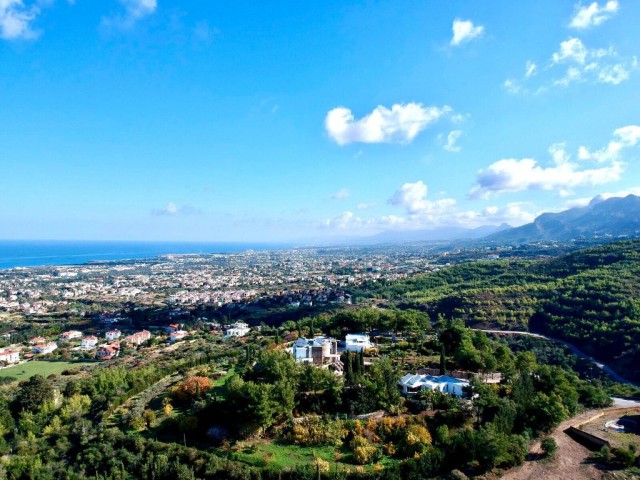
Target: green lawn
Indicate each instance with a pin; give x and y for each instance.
(42, 367)
(280, 456)
(277, 455)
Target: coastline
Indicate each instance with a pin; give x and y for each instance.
(58, 253)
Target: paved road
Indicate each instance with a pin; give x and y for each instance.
(625, 402)
(574, 349)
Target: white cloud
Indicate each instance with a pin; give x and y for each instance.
(421, 213)
(134, 10)
(514, 175)
(593, 14)
(366, 206)
(172, 210)
(465, 31)
(341, 194)
(345, 221)
(571, 49)
(623, 137)
(559, 153)
(574, 62)
(512, 86)
(513, 213)
(16, 19)
(400, 124)
(413, 198)
(452, 138)
(139, 8)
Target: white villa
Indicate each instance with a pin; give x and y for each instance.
(238, 329)
(412, 384)
(89, 342)
(10, 356)
(70, 335)
(357, 342)
(320, 351)
(178, 335)
(44, 348)
(113, 334)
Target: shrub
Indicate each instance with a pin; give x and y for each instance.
(191, 388)
(316, 431)
(363, 451)
(320, 465)
(549, 446)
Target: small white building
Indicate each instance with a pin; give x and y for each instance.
(178, 335)
(10, 356)
(412, 384)
(89, 342)
(238, 329)
(71, 335)
(357, 342)
(113, 334)
(44, 348)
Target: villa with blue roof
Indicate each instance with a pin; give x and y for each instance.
(412, 384)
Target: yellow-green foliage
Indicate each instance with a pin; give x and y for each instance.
(363, 450)
(316, 431)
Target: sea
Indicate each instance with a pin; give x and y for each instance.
(34, 253)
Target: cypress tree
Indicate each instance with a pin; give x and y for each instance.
(443, 362)
(349, 369)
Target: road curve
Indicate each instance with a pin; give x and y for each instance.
(574, 349)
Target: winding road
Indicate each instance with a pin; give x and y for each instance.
(602, 366)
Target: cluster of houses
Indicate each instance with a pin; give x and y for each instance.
(107, 351)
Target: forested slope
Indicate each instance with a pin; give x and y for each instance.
(589, 298)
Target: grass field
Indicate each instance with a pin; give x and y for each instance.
(277, 455)
(281, 456)
(42, 367)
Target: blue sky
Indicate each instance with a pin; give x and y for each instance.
(272, 121)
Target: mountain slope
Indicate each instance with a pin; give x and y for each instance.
(590, 298)
(612, 218)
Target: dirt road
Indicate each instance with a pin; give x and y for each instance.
(569, 460)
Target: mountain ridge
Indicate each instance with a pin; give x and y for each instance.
(615, 217)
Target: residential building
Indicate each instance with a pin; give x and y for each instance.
(113, 334)
(107, 352)
(357, 342)
(320, 351)
(138, 338)
(411, 384)
(70, 335)
(178, 335)
(9, 356)
(89, 342)
(37, 341)
(238, 329)
(44, 348)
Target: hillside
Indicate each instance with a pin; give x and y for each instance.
(612, 218)
(589, 298)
